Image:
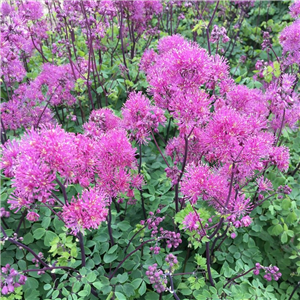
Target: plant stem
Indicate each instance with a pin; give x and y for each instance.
(296, 169)
(139, 170)
(3, 133)
(83, 259)
(4, 223)
(21, 220)
(128, 255)
(208, 264)
(294, 290)
(38, 122)
(134, 237)
(238, 276)
(207, 28)
(172, 287)
(109, 227)
(159, 149)
(63, 188)
(50, 268)
(186, 258)
(281, 126)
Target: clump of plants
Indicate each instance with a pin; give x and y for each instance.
(150, 150)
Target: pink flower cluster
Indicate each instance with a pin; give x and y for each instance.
(140, 13)
(18, 113)
(290, 41)
(86, 212)
(153, 222)
(295, 9)
(171, 260)
(175, 75)
(10, 279)
(172, 238)
(44, 157)
(245, 3)
(283, 102)
(22, 30)
(191, 221)
(157, 278)
(100, 121)
(4, 213)
(25, 108)
(272, 272)
(140, 117)
(217, 33)
(235, 137)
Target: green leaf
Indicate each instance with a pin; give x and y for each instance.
(128, 290)
(291, 217)
(3, 197)
(5, 258)
(284, 238)
(49, 237)
(142, 289)
(46, 222)
(22, 264)
(246, 237)
(112, 249)
(277, 229)
(91, 277)
(286, 204)
(122, 277)
(238, 79)
(108, 258)
(31, 284)
(120, 296)
(39, 233)
(76, 287)
(136, 282)
(28, 238)
(47, 287)
(124, 226)
(98, 285)
(83, 293)
(151, 296)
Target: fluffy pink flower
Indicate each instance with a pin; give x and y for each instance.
(295, 9)
(140, 117)
(179, 66)
(10, 153)
(170, 42)
(281, 100)
(147, 60)
(59, 81)
(32, 216)
(244, 2)
(6, 9)
(18, 113)
(116, 160)
(264, 184)
(226, 133)
(201, 181)
(246, 221)
(280, 157)
(247, 101)
(290, 38)
(86, 212)
(100, 121)
(191, 221)
(31, 10)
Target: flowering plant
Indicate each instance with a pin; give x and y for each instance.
(150, 150)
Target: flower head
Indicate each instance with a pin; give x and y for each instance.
(86, 212)
(140, 117)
